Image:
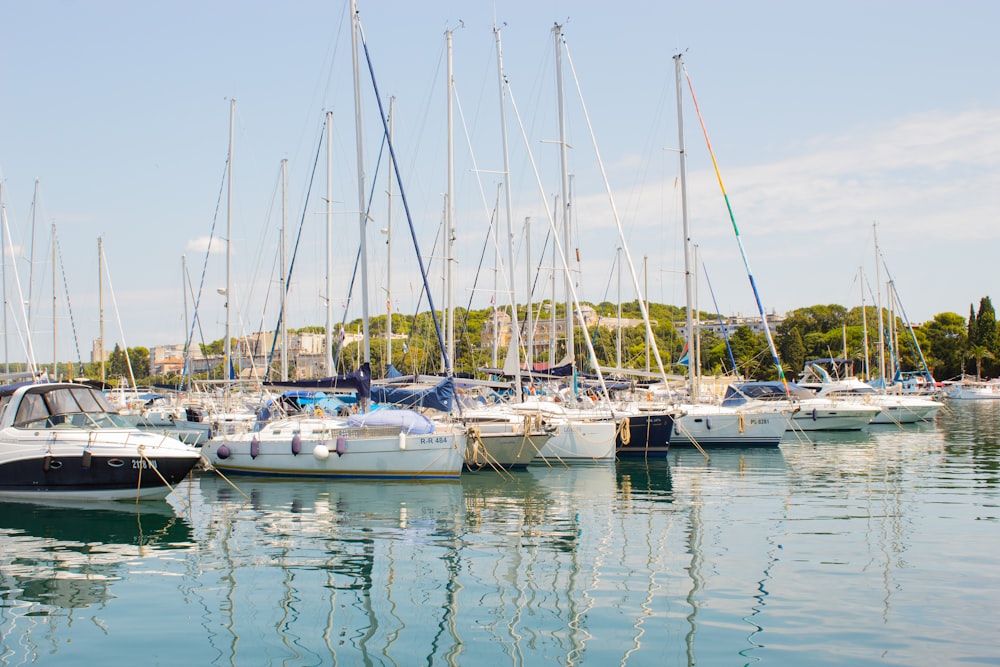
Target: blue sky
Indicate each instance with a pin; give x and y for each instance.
(825, 119)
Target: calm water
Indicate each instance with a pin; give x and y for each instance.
(874, 548)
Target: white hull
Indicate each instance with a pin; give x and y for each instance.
(844, 417)
(715, 427)
(499, 445)
(830, 422)
(973, 391)
(580, 441)
(382, 452)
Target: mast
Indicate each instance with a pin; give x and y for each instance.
(100, 302)
(3, 271)
(362, 213)
(688, 274)
(618, 342)
(228, 343)
(864, 326)
(31, 256)
(696, 317)
(645, 291)
(329, 244)
(184, 294)
(529, 324)
(282, 269)
(881, 323)
(567, 232)
(449, 275)
(552, 305)
(515, 329)
(55, 358)
(388, 251)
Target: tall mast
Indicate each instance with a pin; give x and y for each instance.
(31, 256)
(184, 294)
(552, 304)
(529, 324)
(3, 271)
(618, 342)
(645, 291)
(881, 323)
(329, 244)
(100, 303)
(55, 358)
(227, 344)
(688, 275)
(696, 317)
(567, 232)
(449, 274)
(388, 252)
(362, 213)
(283, 285)
(515, 330)
(864, 327)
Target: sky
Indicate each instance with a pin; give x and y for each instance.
(831, 124)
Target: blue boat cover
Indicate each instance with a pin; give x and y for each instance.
(411, 422)
(358, 381)
(440, 397)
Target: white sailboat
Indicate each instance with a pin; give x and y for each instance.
(386, 444)
(703, 424)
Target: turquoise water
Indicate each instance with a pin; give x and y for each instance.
(873, 548)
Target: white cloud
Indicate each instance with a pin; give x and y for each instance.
(201, 244)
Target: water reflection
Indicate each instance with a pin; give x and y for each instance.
(491, 568)
(58, 560)
(970, 429)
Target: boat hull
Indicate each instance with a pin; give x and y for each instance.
(647, 434)
(489, 448)
(837, 419)
(101, 477)
(580, 441)
(730, 429)
(357, 455)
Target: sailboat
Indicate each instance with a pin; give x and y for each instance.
(515, 433)
(383, 444)
(703, 424)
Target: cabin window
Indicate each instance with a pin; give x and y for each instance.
(88, 402)
(61, 402)
(32, 409)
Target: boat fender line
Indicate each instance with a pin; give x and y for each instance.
(321, 452)
(296, 444)
(708, 423)
(741, 422)
(341, 445)
(476, 456)
(625, 431)
(814, 414)
(402, 439)
(223, 452)
(254, 448)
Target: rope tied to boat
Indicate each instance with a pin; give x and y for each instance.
(475, 450)
(625, 431)
(145, 459)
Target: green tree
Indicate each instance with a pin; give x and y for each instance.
(946, 336)
(977, 353)
(986, 333)
(793, 352)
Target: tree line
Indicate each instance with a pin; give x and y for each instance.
(949, 344)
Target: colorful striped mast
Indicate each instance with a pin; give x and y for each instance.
(739, 241)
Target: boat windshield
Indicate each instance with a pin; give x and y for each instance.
(66, 407)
